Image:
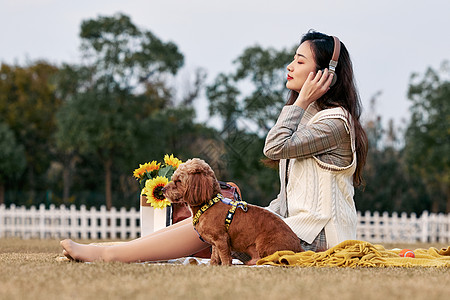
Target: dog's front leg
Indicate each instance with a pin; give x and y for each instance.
(222, 246)
(215, 259)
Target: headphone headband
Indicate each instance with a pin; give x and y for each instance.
(337, 48)
(334, 59)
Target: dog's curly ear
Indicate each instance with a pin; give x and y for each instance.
(199, 189)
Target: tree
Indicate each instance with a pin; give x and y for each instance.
(69, 82)
(388, 185)
(124, 56)
(427, 140)
(249, 100)
(28, 105)
(260, 73)
(124, 88)
(12, 158)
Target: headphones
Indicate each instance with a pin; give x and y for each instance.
(334, 59)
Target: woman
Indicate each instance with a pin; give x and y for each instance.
(303, 137)
(321, 145)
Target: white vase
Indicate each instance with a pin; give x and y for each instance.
(152, 219)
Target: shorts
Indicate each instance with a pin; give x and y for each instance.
(319, 243)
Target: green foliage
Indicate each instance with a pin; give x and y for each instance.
(12, 159)
(258, 71)
(106, 107)
(69, 80)
(12, 155)
(96, 124)
(389, 187)
(222, 95)
(414, 177)
(167, 171)
(427, 139)
(244, 162)
(27, 106)
(124, 55)
(116, 112)
(264, 68)
(74, 134)
(249, 101)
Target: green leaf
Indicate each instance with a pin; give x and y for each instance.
(142, 183)
(167, 171)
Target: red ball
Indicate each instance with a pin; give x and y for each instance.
(407, 253)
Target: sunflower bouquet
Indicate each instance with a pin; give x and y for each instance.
(153, 176)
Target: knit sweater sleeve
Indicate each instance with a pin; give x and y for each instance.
(289, 139)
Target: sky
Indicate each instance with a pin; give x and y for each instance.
(388, 40)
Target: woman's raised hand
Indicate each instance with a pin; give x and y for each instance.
(315, 86)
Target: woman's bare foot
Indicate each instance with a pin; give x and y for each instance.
(80, 252)
(64, 252)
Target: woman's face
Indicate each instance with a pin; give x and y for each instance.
(300, 67)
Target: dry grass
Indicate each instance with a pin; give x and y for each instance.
(28, 270)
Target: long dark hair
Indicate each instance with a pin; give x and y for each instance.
(343, 93)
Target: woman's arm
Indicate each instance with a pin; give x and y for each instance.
(290, 139)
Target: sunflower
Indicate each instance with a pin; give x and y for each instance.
(147, 167)
(153, 191)
(172, 161)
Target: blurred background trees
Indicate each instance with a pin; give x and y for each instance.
(410, 172)
(73, 134)
(248, 102)
(102, 118)
(12, 159)
(27, 106)
(427, 138)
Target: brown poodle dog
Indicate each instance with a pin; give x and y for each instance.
(257, 231)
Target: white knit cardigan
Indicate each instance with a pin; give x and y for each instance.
(320, 194)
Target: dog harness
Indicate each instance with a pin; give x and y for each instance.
(234, 205)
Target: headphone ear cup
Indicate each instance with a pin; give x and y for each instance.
(334, 59)
(333, 81)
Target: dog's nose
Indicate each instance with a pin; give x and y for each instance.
(163, 189)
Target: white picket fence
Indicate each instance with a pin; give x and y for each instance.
(62, 222)
(428, 228)
(69, 222)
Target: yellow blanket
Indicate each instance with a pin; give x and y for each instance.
(359, 254)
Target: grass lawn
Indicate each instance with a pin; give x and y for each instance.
(29, 270)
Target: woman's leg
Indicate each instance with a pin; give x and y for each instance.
(172, 242)
(171, 227)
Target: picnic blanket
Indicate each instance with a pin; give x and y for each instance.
(190, 260)
(353, 253)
